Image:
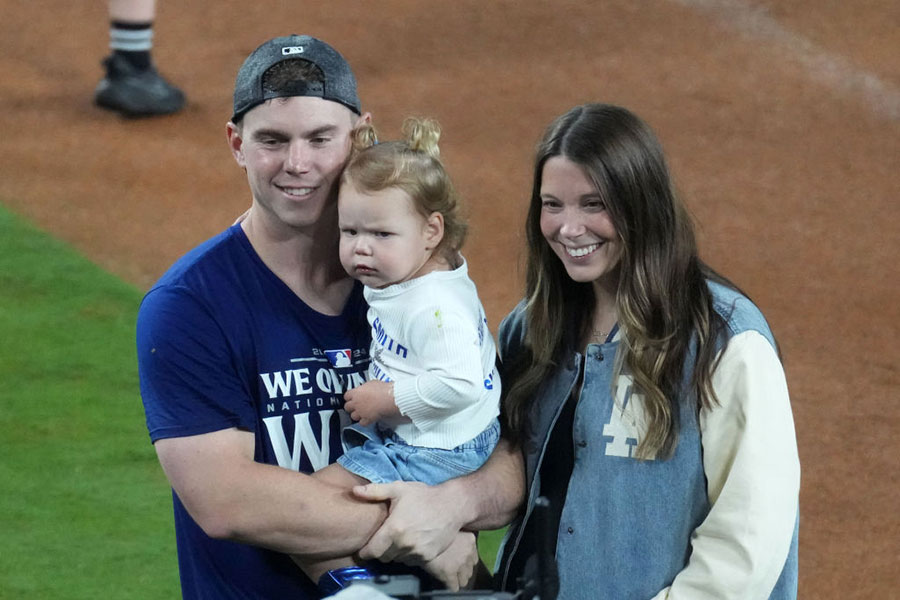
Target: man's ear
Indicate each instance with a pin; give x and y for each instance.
(434, 229)
(234, 135)
(363, 119)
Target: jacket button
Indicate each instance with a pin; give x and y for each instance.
(570, 530)
(582, 444)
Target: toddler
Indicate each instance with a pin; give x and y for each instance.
(429, 409)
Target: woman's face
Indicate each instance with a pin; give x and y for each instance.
(576, 224)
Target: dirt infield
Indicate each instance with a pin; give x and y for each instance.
(781, 119)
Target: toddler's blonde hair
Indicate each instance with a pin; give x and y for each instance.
(414, 166)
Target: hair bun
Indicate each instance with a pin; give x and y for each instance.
(422, 135)
(364, 137)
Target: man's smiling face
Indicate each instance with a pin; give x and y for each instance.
(293, 150)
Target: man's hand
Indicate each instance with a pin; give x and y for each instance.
(421, 525)
(372, 401)
(423, 520)
(455, 566)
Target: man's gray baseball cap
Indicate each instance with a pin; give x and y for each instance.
(339, 84)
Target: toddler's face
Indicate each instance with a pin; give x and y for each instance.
(384, 239)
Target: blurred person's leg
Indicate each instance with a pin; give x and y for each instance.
(132, 85)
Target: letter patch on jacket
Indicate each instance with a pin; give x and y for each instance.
(626, 424)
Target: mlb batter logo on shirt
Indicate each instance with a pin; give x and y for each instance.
(339, 358)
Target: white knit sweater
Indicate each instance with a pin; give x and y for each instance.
(430, 337)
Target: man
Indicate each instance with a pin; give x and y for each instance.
(247, 343)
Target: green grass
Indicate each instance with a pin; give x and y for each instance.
(488, 543)
(85, 511)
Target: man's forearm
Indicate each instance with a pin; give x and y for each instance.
(232, 497)
(314, 520)
(490, 497)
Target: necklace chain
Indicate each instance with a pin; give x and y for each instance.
(602, 334)
(597, 334)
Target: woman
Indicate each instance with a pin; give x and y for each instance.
(644, 389)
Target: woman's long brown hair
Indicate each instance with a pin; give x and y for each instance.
(663, 301)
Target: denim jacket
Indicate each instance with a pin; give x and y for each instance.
(628, 526)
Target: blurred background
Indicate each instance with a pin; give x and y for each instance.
(781, 121)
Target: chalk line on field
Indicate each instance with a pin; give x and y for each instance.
(833, 70)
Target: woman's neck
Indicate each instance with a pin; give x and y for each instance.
(605, 314)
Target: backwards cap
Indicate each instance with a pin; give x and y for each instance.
(339, 84)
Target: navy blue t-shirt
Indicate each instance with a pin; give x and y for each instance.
(222, 343)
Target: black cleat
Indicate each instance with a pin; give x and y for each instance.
(136, 93)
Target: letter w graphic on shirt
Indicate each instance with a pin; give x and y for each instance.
(304, 441)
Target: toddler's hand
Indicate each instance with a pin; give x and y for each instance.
(372, 401)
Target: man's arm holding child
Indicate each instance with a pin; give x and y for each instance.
(233, 497)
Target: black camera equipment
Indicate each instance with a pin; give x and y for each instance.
(544, 585)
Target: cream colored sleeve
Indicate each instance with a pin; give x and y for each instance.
(753, 477)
